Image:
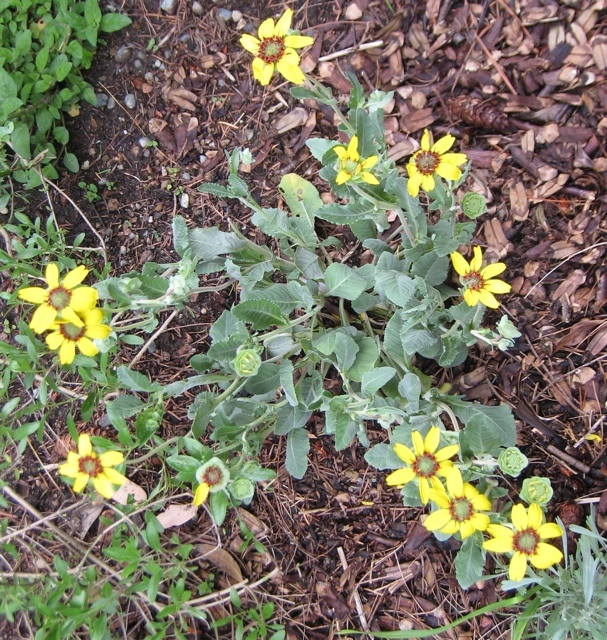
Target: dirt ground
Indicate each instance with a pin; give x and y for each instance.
(522, 85)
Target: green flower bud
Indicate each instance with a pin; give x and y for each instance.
(537, 490)
(213, 473)
(512, 461)
(474, 205)
(242, 489)
(247, 363)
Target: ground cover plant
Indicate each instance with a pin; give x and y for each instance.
(347, 298)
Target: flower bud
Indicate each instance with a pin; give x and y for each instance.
(512, 461)
(536, 490)
(246, 363)
(242, 489)
(474, 205)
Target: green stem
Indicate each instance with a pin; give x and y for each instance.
(154, 451)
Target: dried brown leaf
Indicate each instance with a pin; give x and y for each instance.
(519, 203)
(177, 514)
(570, 284)
(222, 559)
(291, 120)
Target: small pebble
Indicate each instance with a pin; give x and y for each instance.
(144, 142)
(140, 55)
(137, 65)
(123, 54)
(102, 100)
(169, 6)
(130, 101)
(186, 175)
(111, 103)
(184, 200)
(197, 8)
(224, 14)
(236, 15)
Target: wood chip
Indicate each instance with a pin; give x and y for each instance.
(519, 203)
(177, 514)
(570, 284)
(291, 120)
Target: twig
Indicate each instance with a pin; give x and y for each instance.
(574, 462)
(349, 50)
(357, 601)
(153, 337)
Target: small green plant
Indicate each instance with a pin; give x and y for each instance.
(91, 191)
(250, 623)
(45, 45)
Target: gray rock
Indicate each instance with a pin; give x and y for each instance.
(102, 99)
(236, 15)
(224, 14)
(111, 103)
(137, 65)
(123, 54)
(144, 142)
(169, 6)
(130, 100)
(197, 8)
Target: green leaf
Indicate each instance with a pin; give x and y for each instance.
(470, 561)
(290, 418)
(215, 190)
(319, 146)
(266, 380)
(218, 505)
(432, 268)
(286, 382)
(344, 428)
(308, 263)
(123, 407)
(70, 162)
(487, 429)
(224, 351)
(153, 286)
(180, 234)
(372, 381)
(135, 381)
(298, 446)
(202, 417)
(61, 135)
(111, 22)
(260, 314)
(397, 287)
(343, 281)
(228, 326)
(345, 350)
(20, 141)
(92, 12)
(210, 243)
(382, 456)
(301, 196)
(418, 341)
(366, 357)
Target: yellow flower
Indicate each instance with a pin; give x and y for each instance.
(351, 167)
(431, 160)
(86, 465)
(424, 463)
(459, 509)
(274, 50)
(525, 541)
(213, 476)
(480, 284)
(66, 336)
(62, 299)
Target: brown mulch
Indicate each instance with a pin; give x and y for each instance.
(524, 90)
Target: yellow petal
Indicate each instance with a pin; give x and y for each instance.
(80, 482)
(115, 477)
(404, 453)
(284, 23)
(415, 181)
(74, 277)
(98, 331)
(202, 493)
(437, 519)
(266, 29)
(86, 347)
(519, 517)
(370, 162)
(448, 171)
(103, 486)
(369, 178)
(51, 275)
(425, 142)
(480, 521)
(69, 315)
(546, 556)
(497, 286)
(418, 444)
(481, 502)
(353, 149)
(488, 299)
(432, 439)
(111, 458)
(535, 516)
(43, 318)
(501, 532)
(400, 477)
(518, 566)
(54, 340)
(477, 260)
(250, 43)
(35, 295)
(498, 545)
(460, 264)
(439, 498)
(262, 72)
(71, 468)
(428, 182)
(550, 530)
(84, 299)
(466, 529)
(456, 159)
(443, 145)
(492, 270)
(424, 491)
(290, 71)
(446, 452)
(472, 297)
(85, 448)
(341, 153)
(455, 484)
(297, 42)
(342, 177)
(67, 352)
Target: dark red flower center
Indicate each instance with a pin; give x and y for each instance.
(59, 298)
(425, 466)
(71, 332)
(473, 280)
(461, 509)
(271, 50)
(426, 162)
(212, 476)
(526, 541)
(90, 465)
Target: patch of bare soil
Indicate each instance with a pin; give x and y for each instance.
(522, 86)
